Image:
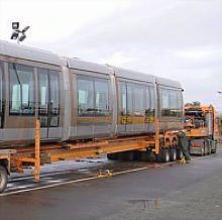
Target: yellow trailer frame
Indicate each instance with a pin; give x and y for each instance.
(49, 153)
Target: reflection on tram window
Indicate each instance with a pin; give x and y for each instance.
(85, 97)
(49, 98)
(150, 102)
(92, 96)
(21, 89)
(171, 102)
(101, 97)
(139, 100)
(136, 99)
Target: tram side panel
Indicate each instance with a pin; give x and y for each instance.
(30, 90)
(91, 104)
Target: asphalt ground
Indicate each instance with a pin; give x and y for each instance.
(173, 191)
(63, 173)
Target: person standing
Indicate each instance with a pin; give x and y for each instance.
(183, 144)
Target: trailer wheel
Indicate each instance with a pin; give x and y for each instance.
(202, 151)
(214, 148)
(173, 154)
(147, 156)
(207, 145)
(210, 149)
(3, 179)
(165, 155)
(214, 151)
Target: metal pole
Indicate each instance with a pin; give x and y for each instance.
(37, 151)
(157, 136)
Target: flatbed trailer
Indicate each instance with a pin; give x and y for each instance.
(161, 145)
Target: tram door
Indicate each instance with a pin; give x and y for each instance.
(132, 108)
(126, 113)
(49, 108)
(20, 110)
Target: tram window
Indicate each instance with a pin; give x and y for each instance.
(54, 92)
(1, 86)
(43, 91)
(21, 89)
(180, 100)
(101, 97)
(171, 102)
(152, 98)
(85, 96)
(138, 92)
(123, 98)
(92, 96)
(48, 92)
(129, 98)
(150, 101)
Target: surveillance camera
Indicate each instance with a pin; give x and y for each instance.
(15, 25)
(14, 35)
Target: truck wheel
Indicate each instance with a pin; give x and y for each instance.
(214, 151)
(214, 147)
(151, 157)
(207, 147)
(210, 149)
(165, 155)
(202, 151)
(173, 154)
(3, 179)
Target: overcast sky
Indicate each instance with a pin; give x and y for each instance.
(177, 39)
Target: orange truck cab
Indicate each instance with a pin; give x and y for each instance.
(202, 128)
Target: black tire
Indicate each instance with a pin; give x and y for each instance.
(173, 154)
(205, 150)
(179, 154)
(213, 147)
(147, 156)
(214, 151)
(3, 178)
(165, 155)
(151, 157)
(209, 149)
(202, 151)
